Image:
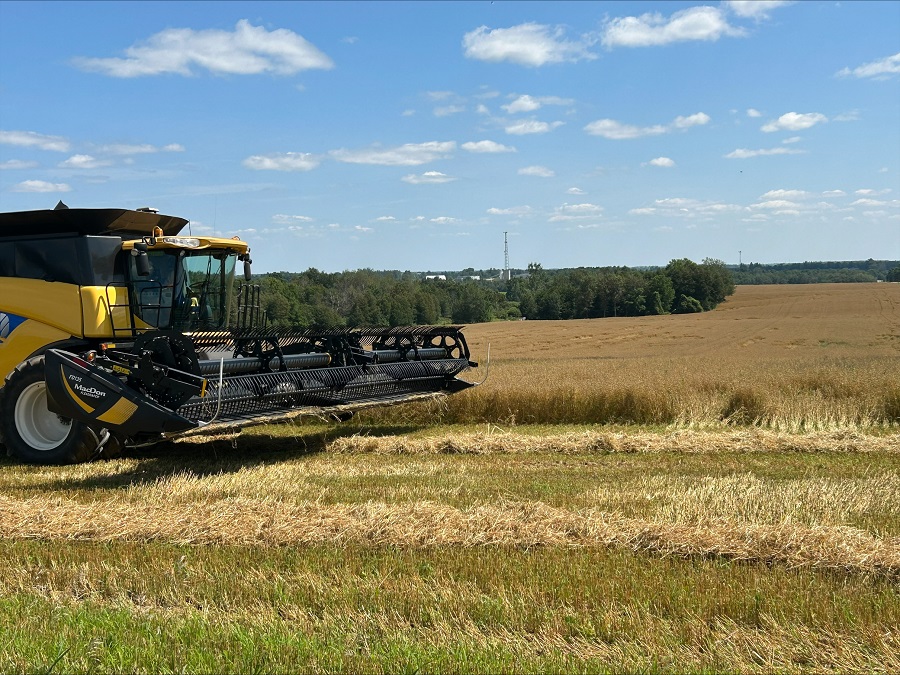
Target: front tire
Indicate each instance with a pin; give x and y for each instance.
(32, 433)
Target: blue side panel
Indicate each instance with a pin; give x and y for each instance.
(8, 323)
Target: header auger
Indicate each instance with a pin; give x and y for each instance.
(117, 330)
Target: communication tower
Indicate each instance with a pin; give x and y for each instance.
(505, 276)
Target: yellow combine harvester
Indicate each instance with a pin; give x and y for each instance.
(118, 330)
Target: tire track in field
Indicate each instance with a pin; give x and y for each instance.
(891, 317)
(711, 332)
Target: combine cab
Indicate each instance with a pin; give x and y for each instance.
(117, 330)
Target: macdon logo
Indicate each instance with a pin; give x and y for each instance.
(89, 391)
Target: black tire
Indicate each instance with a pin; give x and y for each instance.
(33, 434)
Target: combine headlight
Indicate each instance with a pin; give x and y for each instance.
(182, 241)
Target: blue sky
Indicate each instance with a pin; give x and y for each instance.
(413, 135)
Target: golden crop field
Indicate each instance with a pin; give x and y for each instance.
(792, 358)
(715, 492)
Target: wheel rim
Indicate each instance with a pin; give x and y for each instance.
(38, 427)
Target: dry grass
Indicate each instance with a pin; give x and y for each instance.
(249, 522)
(499, 441)
(742, 495)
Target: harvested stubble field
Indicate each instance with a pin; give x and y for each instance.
(716, 492)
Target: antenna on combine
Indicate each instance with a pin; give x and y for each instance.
(505, 276)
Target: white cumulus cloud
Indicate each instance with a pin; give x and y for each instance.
(440, 95)
(487, 147)
(84, 162)
(539, 171)
(526, 103)
(744, 153)
(409, 154)
(31, 139)
(286, 219)
(664, 162)
(653, 29)
(14, 164)
(793, 121)
(575, 212)
(754, 9)
(138, 149)
(849, 116)
(285, 161)
(41, 186)
(428, 178)
(528, 44)
(447, 110)
(511, 211)
(776, 204)
(881, 68)
(690, 209)
(786, 194)
(531, 127)
(247, 50)
(695, 120)
(615, 130)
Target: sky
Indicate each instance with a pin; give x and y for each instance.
(415, 135)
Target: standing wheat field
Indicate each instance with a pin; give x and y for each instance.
(710, 492)
(792, 358)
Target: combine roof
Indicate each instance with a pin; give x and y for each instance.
(87, 221)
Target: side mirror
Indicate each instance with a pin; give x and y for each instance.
(142, 261)
(247, 273)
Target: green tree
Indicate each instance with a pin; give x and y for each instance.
(471, 305)
(688, 305)
(527, 304)
(717, 281)
(549, 303)
(366, 311)
(708, 284)
(661, 293)
(428, 308)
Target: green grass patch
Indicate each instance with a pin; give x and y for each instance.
(156, 608)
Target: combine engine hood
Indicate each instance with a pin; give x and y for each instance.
(169, 383)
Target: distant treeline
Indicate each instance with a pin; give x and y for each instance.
(681, 287)
(854, 271)
(370, 298)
